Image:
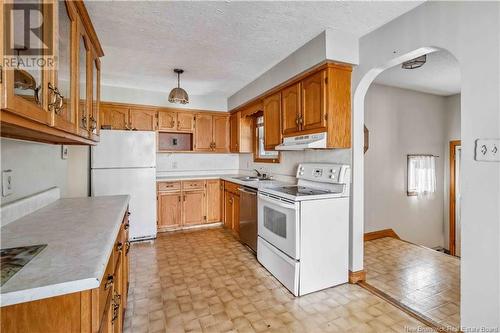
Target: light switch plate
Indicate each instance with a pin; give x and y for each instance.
(64, 152)
(7, 186)
(487, 150)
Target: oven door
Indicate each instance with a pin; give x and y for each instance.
(278, 224)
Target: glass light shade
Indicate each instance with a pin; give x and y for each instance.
(178, 95)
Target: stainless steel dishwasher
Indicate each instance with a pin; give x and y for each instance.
(248, 217)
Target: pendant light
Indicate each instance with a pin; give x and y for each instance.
(414, 63)
(178, 95)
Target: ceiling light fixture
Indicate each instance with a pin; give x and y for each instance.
(178, 95)
(414, 63)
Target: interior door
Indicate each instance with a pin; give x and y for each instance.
(272, 121)
(291, 108)
(203, 132)
(313, 102)
(193, 208)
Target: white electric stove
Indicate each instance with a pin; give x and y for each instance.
(303, 229)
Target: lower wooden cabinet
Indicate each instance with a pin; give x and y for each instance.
(89, 311)
(232, 207)
(188, 203)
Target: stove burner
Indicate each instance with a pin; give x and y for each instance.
(300, 190)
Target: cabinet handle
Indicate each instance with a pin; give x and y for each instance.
(119, 246)
(116, 306)
(127, 247)
(93, 123)
(57, 101)
(126, 226)
(184, 197)
(109, 282)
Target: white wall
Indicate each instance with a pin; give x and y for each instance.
(168, 164)
(329, 45)
(38, 166)
(403, 122)
(157, 98)
(470, 31)
(452, 132)
(286, 169)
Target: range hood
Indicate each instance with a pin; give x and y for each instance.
(301, 142)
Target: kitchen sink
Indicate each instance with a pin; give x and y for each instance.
(251, 178)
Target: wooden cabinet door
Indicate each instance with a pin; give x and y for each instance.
(117, 319)
(272, 121)
(193, 208)
(167, 120)
(313, 101)
(214, 200)
(143, 120)
(228, 210)
(169, 210)
(185, 121)
(221, 134)
(291, 109)
(115, 116)
(236, 215)
(203, 132)
(234, 130)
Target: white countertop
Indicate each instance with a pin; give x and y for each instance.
(257, 184)
(79, 233)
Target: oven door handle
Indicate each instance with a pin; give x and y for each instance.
(277, 202)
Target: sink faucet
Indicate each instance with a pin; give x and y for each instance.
(258, 173)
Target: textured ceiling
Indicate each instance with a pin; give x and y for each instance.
(440, 75)
(221, 45)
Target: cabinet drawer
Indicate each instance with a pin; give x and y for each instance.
(106, 286)
(169, 186)
(231, 187)
(188, 185)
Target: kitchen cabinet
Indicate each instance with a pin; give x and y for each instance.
(203, 132)
(193, 207)
(232, 207)
(169, 210)
(291, 108)
(114, 117)
(272, 121)
(241, 133)
(185, 121)
(182, 204)
(211, 133)
(214, 200)
(228, 210)
(143, 119)
(52, 103)
(167, 120)
(313, 115)
(93, 310)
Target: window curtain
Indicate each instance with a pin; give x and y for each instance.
(422, 175)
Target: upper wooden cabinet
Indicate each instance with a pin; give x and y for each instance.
(185, 121)
(167, 120)
(143, 119)
(52, 102)
(313, 113)
(114, 117)
(241, 127)
(211, 133)
(291, 108)
(174, 121)
(272, 121)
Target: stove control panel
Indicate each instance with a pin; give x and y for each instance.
(325, 173)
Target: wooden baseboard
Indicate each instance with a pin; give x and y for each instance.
(380, 234)
(358, 276)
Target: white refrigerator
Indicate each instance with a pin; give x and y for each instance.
(124, 162)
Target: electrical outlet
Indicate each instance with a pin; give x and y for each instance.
(7, 186)
(64, 152)
(488, 150)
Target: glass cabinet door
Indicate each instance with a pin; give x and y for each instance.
(96, 77)
(28, 70)
(64, 113)
(83, 108)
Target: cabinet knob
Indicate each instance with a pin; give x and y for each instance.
(119, 246)
(109, 282)
(127, 247)
(126, 226)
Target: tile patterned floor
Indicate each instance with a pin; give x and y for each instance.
(205, 281)
(422, 279)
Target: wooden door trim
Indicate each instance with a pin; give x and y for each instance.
(452, 238)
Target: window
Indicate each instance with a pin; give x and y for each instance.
(260, 154)
(421, 175)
